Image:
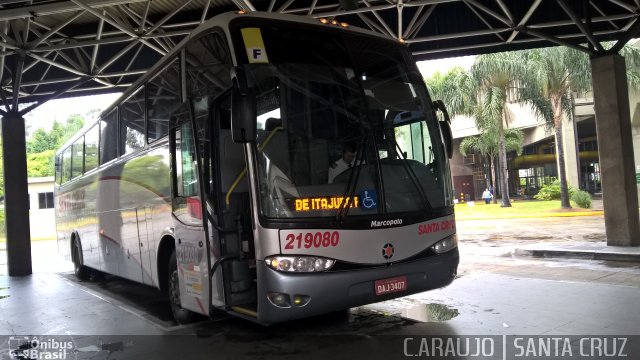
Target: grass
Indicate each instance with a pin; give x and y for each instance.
(519, 209)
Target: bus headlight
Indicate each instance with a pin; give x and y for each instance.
(446, 244)
(299, 263)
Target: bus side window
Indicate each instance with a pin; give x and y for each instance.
(207, 66)
(163, 99)
(66, 165)
(186, 203)
(58, 169)
(77, 158)
(91, 148)
(132, 123)
(109, 137)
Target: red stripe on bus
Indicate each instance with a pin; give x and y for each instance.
(110, 239)
(200, 305)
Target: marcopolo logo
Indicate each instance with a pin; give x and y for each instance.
(378, 223)
(25, 347)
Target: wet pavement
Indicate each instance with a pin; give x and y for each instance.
(496, 293)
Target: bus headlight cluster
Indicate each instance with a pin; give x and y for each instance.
(299, 263)
(445, 244)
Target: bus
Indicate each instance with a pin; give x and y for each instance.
(216, 176)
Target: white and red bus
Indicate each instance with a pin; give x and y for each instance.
(217, 178)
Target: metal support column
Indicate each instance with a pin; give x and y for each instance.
(16, 195)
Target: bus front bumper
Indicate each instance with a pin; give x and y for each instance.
(332, 291)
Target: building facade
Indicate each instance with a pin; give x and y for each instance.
(42, 222)
(537, 165)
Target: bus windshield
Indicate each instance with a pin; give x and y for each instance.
(343, 126)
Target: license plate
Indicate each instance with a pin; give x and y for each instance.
(387, 286)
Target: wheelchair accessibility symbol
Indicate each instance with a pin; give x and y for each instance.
(368, 199)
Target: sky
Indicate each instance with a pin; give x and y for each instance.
(44, 115)
(60, 110)
(428, 68)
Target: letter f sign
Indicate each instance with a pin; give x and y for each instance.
(257, 55)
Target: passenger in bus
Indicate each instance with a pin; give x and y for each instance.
(345, 162)
(269, 125)
(272, 123)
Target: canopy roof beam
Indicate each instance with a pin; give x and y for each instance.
(89, 39)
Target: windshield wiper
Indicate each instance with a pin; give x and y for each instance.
(352, 183)
(412, 175)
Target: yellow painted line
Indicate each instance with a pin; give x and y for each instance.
(4, 240)
(43, 238)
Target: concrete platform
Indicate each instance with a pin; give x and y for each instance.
(581, 250)
(481, 303)
(496, 295)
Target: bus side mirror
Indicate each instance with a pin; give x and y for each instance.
(243, 110)
(445, 127)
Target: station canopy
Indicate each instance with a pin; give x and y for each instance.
(55, 48)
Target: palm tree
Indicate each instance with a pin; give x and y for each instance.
(553, 75)
(455, 88)
(486, 144)
(481, 94)
(494, 75)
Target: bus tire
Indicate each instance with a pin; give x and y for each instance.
(182, 316)
(82, 272)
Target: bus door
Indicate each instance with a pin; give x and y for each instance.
(231, 194)
(191, 255)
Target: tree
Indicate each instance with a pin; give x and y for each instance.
(40, 164)
(42, 145)
(494, 75)
(486, 144)
(41, 141)
(456, 89)
(481, 93)
(73, 124)
(554, 74)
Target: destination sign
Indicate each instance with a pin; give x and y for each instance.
(325, 203)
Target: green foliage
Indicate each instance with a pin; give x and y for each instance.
(455, 88)
(552, 191)
(582, 199)
(73, 124)
(40, 164)
(42, 145)
(42, 140)
(486, 144)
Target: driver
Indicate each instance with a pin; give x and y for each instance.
(345, 162)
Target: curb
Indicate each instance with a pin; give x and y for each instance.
(534, 216)
(577, 254)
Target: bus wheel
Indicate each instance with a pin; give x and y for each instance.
(182, 316)
(82, 272)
